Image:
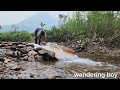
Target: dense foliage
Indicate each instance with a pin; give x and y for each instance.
(21, 36)
(99, 25)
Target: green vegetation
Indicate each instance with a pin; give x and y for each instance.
(90, 26)
(42, 24)
(101, 27)
(21, 36)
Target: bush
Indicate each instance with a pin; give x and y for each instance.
(21, 36)
(105, 24)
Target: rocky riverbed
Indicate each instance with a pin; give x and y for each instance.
(21, 61)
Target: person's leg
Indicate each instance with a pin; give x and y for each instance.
(35, 40)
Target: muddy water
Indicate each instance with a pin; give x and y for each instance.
(114, 60)
(68, 65)
(63, 69)
(64, 56)
(56, 69)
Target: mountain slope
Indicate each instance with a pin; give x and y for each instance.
(30, 24)
(33, 22)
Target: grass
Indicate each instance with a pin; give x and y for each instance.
(21, 36)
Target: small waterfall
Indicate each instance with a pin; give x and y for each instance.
(61, 55)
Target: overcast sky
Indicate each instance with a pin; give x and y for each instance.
(14, 17)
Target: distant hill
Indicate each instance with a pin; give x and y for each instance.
(30, 24)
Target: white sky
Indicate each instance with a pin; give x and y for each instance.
(14, 17)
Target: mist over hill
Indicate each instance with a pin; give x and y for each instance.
(30, 24)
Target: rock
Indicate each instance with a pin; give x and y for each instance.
(2, 59)
(17, 49)
(14, 43)
(1, 45)
(3, 48)
(23, 55)
(16, 53)
(29, 48)
(7, 60)
(48, 52)
(10, 58)
(25, 58)
(32, 53)
(31, 75)
(29, 44)
(1, 63)
(8, 47)
(31, 58)
(5, 43)
(9, 44)
(22, 43)
(24, 50)
(13, 47)
(10, 53)
(38, 58)
(12, 66)
(16, 68)
(21, 46)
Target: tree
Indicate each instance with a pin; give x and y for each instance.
(42, 24)
(54, 27)
(61, 16)
(14, 27)
(64, 18)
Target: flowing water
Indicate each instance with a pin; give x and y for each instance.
(63, 56)
(67, 65)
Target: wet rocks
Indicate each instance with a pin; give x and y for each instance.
(38, 58)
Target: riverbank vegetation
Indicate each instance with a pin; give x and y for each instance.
(93, 27)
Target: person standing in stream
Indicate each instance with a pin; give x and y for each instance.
(40, 36)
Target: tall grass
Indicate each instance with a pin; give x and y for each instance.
(21, 36)
(106, 25)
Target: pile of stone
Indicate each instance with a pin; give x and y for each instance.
(19, 51)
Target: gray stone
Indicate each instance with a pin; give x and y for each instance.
(7, 60)
(24, 50)
(21, 46)
(38, 58)
(2, 59)
(25, 58)
(13, 47)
